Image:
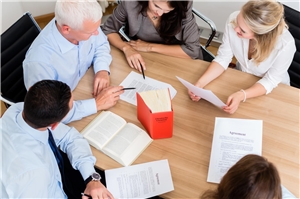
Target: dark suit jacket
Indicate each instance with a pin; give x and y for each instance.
(128, 13)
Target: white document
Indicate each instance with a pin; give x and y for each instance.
(140, 181)
(205, 94)
(136, 80)
(232, 140)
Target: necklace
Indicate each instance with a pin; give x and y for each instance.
(149, 13)
(154, 17)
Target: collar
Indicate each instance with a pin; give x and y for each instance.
(62, 42)
(41, 136)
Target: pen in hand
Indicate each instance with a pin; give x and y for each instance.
(127, 89)
(124, 89)
(142, 71)
(83, 194)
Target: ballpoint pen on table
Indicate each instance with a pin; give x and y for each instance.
(83, 194)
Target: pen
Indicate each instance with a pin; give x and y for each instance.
(143, 71)
(127, 88)
(122, 32)
(83, 194)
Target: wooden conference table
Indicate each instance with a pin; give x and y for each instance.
(188, 151)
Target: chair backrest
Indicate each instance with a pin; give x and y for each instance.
(15, 42)
(207, 55)
(292, 18)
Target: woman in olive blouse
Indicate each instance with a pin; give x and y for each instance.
(166, 27)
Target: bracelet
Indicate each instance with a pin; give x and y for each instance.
(245, 95)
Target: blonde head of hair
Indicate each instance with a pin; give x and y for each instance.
(266, 19)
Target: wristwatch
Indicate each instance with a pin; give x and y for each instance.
(94, 177)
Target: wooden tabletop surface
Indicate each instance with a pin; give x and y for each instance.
(188, 151)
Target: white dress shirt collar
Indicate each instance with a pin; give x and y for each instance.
(64, 44)
(42, 136)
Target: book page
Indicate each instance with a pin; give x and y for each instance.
(103, 128)
(208, 95)
(140, 181)
(128, 144)
(136, 80)
(157, 100)
(232, 140)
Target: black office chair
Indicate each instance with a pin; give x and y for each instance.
(207, 55)
(15, 42)
(292, 18)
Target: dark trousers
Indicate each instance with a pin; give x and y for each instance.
(73, 182)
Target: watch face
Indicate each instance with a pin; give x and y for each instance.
(96, 176)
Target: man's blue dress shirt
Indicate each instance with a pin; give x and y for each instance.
(29, 168)
(51, 56)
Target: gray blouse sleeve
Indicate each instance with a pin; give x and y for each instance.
(117, 19)
(190, 35)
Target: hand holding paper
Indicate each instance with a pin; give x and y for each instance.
(205, 94)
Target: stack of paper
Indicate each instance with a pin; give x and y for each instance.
(157, 100)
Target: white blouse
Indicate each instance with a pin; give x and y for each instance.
(272, 70)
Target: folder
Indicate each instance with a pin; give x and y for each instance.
(158, 125)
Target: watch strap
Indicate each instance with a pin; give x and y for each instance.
(95, 176)
(89, 179)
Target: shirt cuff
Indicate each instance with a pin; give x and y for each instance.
(266, 85)
(224, 63)
(80, 109)
(86, 169)
(90, 106)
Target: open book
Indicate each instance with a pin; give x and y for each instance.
(120, 140)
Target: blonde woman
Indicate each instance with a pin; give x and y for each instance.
(259, 39)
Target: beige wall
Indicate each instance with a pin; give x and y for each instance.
(219, 10)
(13, 10)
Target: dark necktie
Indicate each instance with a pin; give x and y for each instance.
(56, 152)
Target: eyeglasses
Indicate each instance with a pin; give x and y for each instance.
(89, 33)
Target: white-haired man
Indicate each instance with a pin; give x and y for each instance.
(66, 48)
